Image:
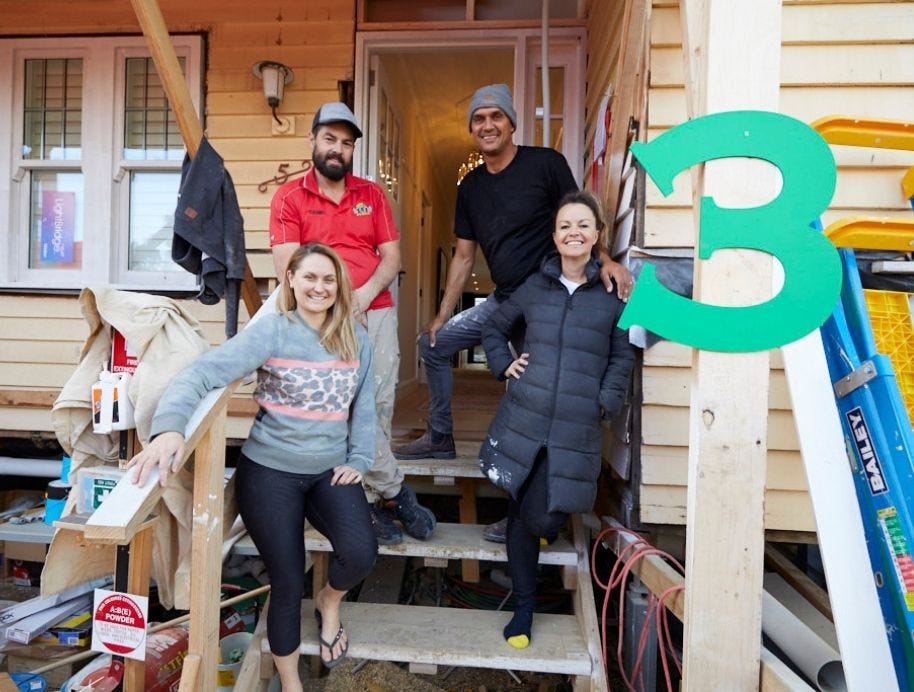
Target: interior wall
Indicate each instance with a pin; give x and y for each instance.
(431, 89)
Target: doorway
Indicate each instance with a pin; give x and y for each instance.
(412, 90)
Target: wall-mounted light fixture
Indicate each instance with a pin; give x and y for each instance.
(275, 76)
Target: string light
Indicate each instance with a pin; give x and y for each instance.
(474, 159)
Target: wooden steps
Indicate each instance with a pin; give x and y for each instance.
(457, 541)
(444, 471)
(450, 541)
(452, 637)
(427, 637)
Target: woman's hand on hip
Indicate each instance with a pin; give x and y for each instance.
(518, 366)
(345, 475)
(165, 452)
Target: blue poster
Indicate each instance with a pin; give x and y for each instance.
(57, 226)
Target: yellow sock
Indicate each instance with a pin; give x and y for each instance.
(519, 641)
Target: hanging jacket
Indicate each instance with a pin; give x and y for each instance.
(578, 373)
(209, 231)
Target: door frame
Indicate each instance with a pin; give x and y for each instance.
(521, 41)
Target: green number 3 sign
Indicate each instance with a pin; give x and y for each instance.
(781, 228)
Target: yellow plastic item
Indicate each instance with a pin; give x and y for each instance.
(890, 317)
(870, 132)
(866, 132)
(907, 183)
(869, 233)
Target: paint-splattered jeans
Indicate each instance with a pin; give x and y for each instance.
(385, 477)
(463, 330)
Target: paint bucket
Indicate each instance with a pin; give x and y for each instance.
(56, 498)
(231, 652)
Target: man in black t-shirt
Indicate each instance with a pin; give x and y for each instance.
(507, 207)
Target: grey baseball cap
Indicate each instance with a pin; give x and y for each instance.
(335, 112)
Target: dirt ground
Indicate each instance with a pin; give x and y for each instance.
(381, 676)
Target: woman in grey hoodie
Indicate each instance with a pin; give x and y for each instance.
(310, 444)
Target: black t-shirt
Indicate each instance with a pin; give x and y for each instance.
(510, 213)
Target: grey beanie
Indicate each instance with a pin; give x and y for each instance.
(492, 96)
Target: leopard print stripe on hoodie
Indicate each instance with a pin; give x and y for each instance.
(316, 410)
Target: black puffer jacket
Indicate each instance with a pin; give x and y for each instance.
(578, 373)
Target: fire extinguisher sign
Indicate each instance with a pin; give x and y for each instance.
(119, 624)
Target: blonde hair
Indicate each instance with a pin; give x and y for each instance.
(337, 334)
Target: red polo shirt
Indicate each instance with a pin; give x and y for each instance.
(355, 227)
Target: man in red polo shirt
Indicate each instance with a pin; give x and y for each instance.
(351, 215)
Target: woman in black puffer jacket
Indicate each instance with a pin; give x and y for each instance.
(543, 446)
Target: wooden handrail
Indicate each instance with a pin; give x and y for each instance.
(128, 505)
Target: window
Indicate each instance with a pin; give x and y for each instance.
(94, 164)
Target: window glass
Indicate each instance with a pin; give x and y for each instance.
(150, 128)
(556, 103)
(152, 209)
(52, 117)
(55, 220)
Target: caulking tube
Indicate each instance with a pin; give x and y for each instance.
(858, 618)
(815, 658)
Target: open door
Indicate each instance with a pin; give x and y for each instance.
(381, 158)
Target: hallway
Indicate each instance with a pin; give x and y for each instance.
(475, 400)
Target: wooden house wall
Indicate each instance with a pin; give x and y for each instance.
(851, 58)
(40, 336)
(604, 29)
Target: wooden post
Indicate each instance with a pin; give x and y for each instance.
(628, 83)
(138, 583)
(166, 61)
(585, 609)
(467, 509)
(190, 670)
(732, 58)
(206, 547)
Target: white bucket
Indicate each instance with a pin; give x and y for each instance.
(231, 649)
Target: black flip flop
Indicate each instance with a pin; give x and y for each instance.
(333, 662)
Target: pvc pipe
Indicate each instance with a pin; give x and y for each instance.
(544, 73)
(39, 468)
(815, 658)
(858, 618)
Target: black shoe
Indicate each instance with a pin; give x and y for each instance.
(418, 521)
(497, 532)
(382, 521)
(431, 445)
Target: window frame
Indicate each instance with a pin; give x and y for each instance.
(106, 207)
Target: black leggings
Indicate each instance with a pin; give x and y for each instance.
(274, 506)
(527, 521)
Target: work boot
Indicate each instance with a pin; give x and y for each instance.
(382, 521)
(418, 521)
(432, 445)
(497, 532)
